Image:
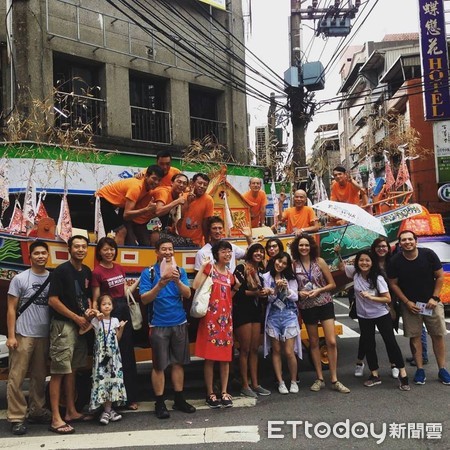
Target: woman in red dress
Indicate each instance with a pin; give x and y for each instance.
(215, 330)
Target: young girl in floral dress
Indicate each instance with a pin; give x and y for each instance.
(215, 330)
(107, 376)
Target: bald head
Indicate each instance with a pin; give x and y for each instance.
(300, 198)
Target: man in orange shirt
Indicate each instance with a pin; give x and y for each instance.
(164, 160)
(199, 207)
(124, 195)
(166, 199)
(300, 218)
(258, 199)
(345, 189)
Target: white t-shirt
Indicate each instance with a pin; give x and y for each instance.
(365, 308)
(205, 252)
(35, 320)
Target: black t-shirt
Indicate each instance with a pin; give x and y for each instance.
(72, 287)
(415, 278)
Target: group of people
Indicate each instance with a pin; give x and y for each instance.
(49, 314)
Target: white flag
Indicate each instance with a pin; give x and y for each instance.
(276, 209)
(227, 215)
(64, 225)
(99, 226)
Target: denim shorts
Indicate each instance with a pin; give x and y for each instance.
(282, 325)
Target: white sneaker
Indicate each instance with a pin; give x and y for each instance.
(282, 389)
(359, 370)
(293, 389)
(395, 372)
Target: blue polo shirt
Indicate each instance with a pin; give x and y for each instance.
(168, 308)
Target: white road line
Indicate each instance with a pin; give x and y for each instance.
(347, 331)
(345, 305)
(134, 439)
(238, 402)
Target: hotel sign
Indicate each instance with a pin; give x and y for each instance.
(433, 47)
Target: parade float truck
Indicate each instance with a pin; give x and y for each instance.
(65, 182)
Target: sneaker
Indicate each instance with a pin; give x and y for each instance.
(248, 392)
(359, 370)
(227, 401)
(404, 384)
(419, 377)
(184, 406)
(444, 376)
(395, 372)
(338, 386)
(212, 401)
(18, 428)
(372, 381)
(282, 389)
(293, 388)
(161, 411)
(317, 385)
(261, 391)
(104, 418)
(114, 416)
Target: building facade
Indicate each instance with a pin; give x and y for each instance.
(153, 76)
(382, 112)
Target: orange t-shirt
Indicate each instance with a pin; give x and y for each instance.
(257, 203)
(297, 220)
(142, 203)
(347, 194)
(119, 192)
(166, 180)
(190, 225)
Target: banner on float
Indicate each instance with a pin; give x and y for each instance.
(434, 56)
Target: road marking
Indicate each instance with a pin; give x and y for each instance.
(345, 305)
(238, 402)
(126, 439)
(347, 332)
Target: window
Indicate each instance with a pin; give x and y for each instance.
(203, 106)
(78, 102)
(149, 120)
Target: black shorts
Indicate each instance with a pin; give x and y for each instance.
(111, 219)
(316, 314)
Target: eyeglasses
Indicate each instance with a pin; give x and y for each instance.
(381, 246)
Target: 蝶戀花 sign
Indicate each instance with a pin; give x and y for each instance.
(434, 56)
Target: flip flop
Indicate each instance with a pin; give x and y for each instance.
(82, 418)
(133, 406)
(65, 428)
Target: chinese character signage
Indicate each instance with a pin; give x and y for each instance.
(433, 46)
(441, 137)
(216, 3)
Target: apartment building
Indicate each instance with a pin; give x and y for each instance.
(149, 76)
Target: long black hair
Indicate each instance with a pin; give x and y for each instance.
(374, 271)
(288, 273)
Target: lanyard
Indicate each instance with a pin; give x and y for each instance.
(106, 334)
(308, 274)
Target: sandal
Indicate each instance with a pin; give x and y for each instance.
(212, 401)
(227, 400)
(132, 406)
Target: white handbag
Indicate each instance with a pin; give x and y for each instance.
(201, 298)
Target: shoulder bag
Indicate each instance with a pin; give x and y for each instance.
(34, 296)
(201, 298)
(135, 308)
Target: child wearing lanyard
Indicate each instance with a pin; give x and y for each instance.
(107, 376)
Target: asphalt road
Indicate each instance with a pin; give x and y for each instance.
(376, 417)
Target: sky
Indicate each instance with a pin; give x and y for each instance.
(269, 40)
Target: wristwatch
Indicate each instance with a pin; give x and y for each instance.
(436, 298)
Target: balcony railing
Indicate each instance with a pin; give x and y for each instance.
(150, 125)
(79, 112)
(201, 128)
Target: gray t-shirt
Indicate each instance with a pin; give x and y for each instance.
(35, 320)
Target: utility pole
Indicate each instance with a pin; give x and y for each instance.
(331, 21)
